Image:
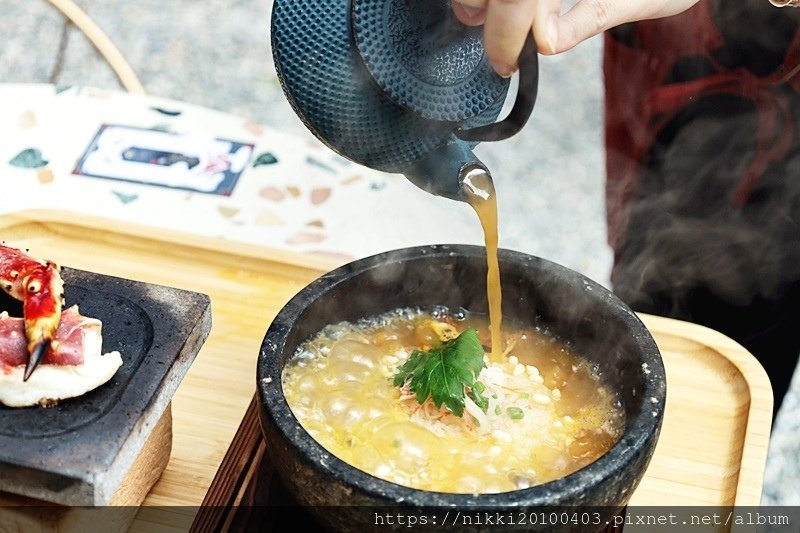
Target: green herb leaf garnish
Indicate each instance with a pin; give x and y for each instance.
(443, 373)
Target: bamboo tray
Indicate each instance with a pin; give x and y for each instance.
(713, 444)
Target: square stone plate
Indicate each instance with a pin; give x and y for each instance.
(79, 451)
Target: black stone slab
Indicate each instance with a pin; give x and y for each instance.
(78, 452)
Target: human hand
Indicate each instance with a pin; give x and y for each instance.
(507, 23)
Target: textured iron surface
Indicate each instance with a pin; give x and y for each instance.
(426, 60)
(336, 97)
(78, 452)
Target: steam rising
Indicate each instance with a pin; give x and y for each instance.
(684, 227)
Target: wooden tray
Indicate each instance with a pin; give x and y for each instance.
(712, 449)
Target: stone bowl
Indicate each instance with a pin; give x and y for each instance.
(596, 324)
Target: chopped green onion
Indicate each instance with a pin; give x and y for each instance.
(515, 413)
(479, 399)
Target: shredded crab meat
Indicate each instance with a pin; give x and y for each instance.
(439, 419)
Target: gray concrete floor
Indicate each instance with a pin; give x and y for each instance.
(216, 54)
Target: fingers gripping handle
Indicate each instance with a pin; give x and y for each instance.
(523, 105)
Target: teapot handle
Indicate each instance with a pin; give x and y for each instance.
(523, 105)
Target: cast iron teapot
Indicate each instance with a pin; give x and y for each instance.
(397, 85)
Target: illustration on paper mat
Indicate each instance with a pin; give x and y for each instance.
(184, 161)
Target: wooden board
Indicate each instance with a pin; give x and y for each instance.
(18, 513)
(717, 421)
(713, 445)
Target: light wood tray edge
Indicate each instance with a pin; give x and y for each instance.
(759, 419)
(54, 217)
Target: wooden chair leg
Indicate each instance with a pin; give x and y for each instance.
(102, 43)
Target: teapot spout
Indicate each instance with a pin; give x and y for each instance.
(442, 171)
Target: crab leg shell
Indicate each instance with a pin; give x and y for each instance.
(41, 309)
(39, 286)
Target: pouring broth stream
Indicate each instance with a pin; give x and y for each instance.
(479, 189)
